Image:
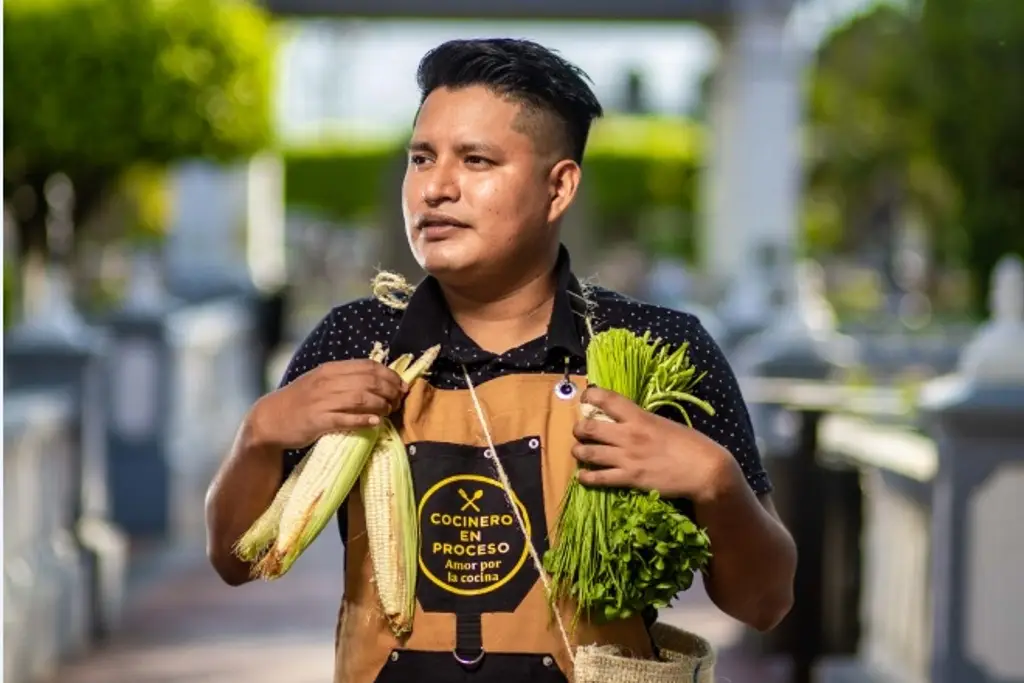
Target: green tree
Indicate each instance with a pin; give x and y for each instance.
(918, 106)
(975, 86)
(870, 154)
(93, 87)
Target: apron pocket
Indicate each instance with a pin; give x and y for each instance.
(420, 666)
(473, 554)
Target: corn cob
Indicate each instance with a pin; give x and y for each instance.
(421, 367)
(391, 527)
(330, 472)
(401, 364)
(334, 466)
(389, 503)
(255, 542)
(378, 353)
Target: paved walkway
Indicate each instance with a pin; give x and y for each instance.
(184, 626)
(188, 627)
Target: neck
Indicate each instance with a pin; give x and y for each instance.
(508, 318)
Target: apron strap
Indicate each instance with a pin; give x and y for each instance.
(469, 640)
(492, 453)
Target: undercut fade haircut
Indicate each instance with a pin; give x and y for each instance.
(550, 89)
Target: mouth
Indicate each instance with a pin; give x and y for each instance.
(439, 226)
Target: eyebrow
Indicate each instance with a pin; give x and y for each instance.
(462, 148)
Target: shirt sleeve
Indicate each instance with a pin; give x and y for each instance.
(730, 426)
(310, 353)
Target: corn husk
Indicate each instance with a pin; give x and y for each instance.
(312, 494)
(392, 528)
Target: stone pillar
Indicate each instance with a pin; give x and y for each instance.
(265, 243)
(752, 181)
(227, 234)
(205, 247)
(54, 349)
(977, 419)
(227, 238)
(227, 228)
(140, 396)
(801, 341)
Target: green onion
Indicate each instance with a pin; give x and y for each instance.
(618, 552)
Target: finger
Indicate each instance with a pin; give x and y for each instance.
(590, 430)
(388, 392)
(339, 422)
(387, 375)
(599, 456)
(357, 366)
(388, 387)
(608, 478)
(367, 368)
(361, 402)
(616, 406)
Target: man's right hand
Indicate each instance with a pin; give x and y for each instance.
(334, 396)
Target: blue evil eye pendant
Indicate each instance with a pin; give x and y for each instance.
(565, 389)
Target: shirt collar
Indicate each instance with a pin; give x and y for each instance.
(427, 320)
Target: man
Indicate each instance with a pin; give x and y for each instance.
(494, 163)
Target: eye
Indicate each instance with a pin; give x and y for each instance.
(418, 159)
(478, 161)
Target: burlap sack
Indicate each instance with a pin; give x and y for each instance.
(685, 658)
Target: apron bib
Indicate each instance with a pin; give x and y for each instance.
(482, 615)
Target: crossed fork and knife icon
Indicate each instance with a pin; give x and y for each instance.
(471, 501)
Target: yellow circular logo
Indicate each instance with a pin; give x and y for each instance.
(471, 543)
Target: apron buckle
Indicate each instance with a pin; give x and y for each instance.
(469, 663)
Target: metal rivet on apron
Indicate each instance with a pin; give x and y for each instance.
(549, 661)
(488, 453)
(412, 450)
(394, 656)
(565, 389)
(534, 444)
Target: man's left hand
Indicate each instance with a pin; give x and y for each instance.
(641, 450)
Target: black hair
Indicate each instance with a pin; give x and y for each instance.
(521, 70)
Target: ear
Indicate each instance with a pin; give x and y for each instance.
(563, 182)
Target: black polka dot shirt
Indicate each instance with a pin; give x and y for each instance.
(350, 331)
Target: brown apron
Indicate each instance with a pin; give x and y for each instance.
(481, 613)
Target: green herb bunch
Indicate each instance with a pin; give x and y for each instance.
(616, 551)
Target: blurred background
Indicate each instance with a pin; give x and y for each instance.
(835, 187)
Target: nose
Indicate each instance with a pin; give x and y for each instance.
(440, 185)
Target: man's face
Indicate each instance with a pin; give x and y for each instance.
(477, 195)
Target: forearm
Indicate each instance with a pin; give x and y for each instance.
(754, 558)
(243, 488)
